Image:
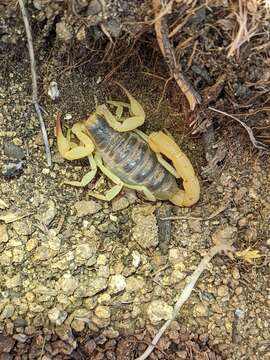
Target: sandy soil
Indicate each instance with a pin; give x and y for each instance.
(82, 278)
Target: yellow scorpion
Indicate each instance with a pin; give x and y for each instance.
(128, 157)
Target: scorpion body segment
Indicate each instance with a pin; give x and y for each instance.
(131, 159)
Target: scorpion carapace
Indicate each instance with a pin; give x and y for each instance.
(128, 157)
(131, 159)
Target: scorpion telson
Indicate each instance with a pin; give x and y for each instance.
(128, 157)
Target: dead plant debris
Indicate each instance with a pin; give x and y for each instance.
(162, 33)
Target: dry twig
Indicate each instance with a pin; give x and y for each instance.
(124, 59)
(215, 213)
(243, 34)
(162, 34)
(223, 240)
(191, 13)
(167, 9)
(112, 44)
(34, 81)
(257, 144)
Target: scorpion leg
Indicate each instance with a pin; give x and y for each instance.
(115, 190)
(162, 143)
(147, 193)
(69, 150)
(136, 110)
(88, 177)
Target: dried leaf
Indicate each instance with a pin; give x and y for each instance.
(249, 255)
(148, 209)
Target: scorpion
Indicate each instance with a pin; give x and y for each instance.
(127, 156)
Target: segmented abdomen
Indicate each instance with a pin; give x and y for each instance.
(131, 159)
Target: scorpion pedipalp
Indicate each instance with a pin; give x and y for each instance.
(66, 149)
(137, 113)
(162, 143)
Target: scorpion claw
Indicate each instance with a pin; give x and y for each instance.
(136, 110)
(70, 150)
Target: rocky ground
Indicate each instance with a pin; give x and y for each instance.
(82, 278)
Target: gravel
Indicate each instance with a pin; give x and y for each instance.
(93, 270)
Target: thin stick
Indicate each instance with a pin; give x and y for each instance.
(34, 81)
(223, 244)
(162, 35)
(191, 13)
(257, 144)
(128, 54)
(166, 10)
(244, 34)
(211, 216)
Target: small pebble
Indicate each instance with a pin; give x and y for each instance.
(94, 7)
(200, 310)
(56, 316)
(102, 312)
(235, 274)
(47, 216)
(240, 313)
(89, 347)
(14, 151)
(6, 344)
(87, 207)
(8, 311)
(78, 325)
(159, 310)
(45, 171)
(68, 117)
(195, 225)
(3, 233)
(120, 204)
(20, 337)
(31, 244)
(22, 227)
(68, 283)
(238, 290)
(117, 283)
(12, 170)
(13, 281)
(222, 291)
(53, 90)
(136, 258)
(104, 299)
(63, 32)
(81, 34)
